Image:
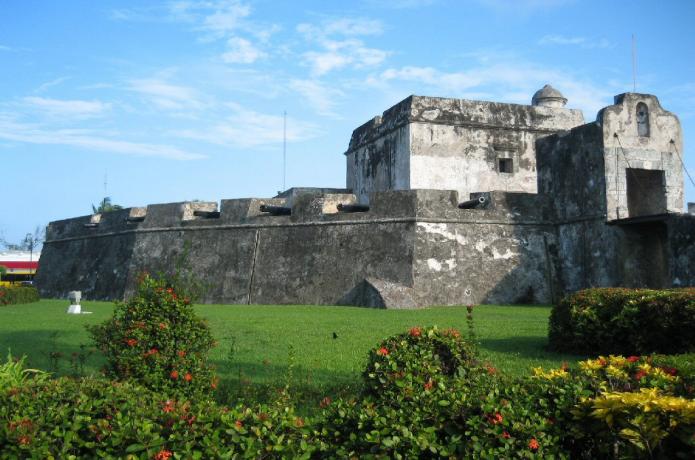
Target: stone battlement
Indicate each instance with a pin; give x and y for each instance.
(306, 209)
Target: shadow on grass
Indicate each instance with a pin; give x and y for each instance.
(526, 347)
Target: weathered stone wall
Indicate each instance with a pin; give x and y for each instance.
(451, 144)
(625, 149)
(413, 248)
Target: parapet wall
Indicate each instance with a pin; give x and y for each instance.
(316, 255)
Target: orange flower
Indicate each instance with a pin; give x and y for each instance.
(131, 342)
(239, 424)
(533, 444)
(495, 418)
(170, 290)
(181, 353)
(299, 422)
(174, 375)
(428, 385)
(415, 331)
(325, 402)
(163, 455)
(24, 440)
(632, 359)
(490, 369)
(151, 351)
(383, 351)
(188, 377)
(163, 325)
(213, 384)
(168, 406)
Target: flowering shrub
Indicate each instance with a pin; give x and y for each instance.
(624, 321)
(422, 360)
(94, 418)
(157, 340)
(18, 294)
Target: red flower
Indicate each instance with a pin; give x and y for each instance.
(188, 377)
(325, 402)
(533, 444)
(490, 369)
(633, 359)
(131, 342)
(163, 325)
(168, 406)
(239, 424)
(670, 370)
(415, 331)
(506, 435)
(170, 290)
(640, 375)
(213, 384)
(429, 385)
(181, 353)
(602, 362)
(383, 351)
(24, 440)
(495, 418)
(163, 455)
(151, 351)
(174, 375)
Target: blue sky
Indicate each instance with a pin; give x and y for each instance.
(181, 100)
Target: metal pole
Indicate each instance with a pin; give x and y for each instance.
(284, 150)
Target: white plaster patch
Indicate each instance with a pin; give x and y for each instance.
(434, 264)
(451, 263)
(508, 254)
(430, 114)
(442, 230)
(480, 246)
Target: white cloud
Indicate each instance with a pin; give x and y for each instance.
(321, 97)
(225, 17)
(166, 95)
(49, 84)
(338, 47)
(5, 48)
(576, 41)
(511, 82)
(85, 139)
(66, 108)
(241, 51)
(400, 4)
(246, 128)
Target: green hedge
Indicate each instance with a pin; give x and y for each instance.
(624, 321)
(14, 295)
(425, 396)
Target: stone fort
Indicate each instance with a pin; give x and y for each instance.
(447, 202)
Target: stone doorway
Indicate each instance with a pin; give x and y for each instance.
(646, 192)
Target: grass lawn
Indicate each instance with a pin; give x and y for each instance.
(512, 338)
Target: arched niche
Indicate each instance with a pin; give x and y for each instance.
(642, 116)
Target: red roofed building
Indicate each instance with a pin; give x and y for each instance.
(20, 266)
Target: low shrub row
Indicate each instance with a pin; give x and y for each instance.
(19, 294)
(624, 321)
(425, 396)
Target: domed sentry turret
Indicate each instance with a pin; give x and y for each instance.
(548, 97)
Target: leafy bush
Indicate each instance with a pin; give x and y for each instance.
(624, 321)
(18, 294)
(423, 359)
(157, 340)
(93, 418)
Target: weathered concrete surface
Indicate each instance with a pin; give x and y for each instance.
(594, 204)
(451, 144)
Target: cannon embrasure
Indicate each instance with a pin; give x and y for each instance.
(207, 214)
(276, 210)
(344, 207)
(474, 203)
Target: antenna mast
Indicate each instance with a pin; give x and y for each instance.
(634, 65)
(284, 150)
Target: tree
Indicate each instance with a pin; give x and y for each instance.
(31, 242)
(3, 270)
(106, 206)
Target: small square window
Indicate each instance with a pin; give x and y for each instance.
(505, 165)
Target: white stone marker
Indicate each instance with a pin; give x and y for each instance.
(75, 308)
